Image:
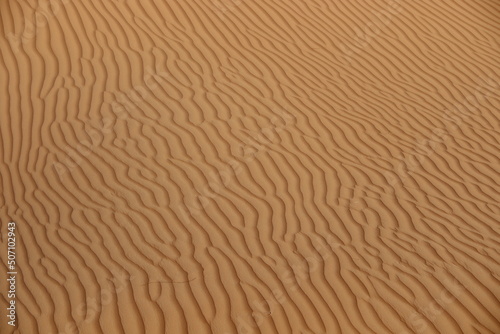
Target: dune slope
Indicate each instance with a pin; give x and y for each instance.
(236, 166)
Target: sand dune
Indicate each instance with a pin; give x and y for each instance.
(234, 166)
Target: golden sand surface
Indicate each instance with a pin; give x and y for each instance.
(249, 166)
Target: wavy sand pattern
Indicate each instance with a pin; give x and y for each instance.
(237, 166)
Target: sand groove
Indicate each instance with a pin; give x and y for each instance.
(234, 166)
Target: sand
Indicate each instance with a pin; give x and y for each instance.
(237, 166)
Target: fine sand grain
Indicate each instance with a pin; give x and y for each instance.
(250, 166)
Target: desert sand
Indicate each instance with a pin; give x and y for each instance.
(237, 166)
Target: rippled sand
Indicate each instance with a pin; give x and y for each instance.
(263, 166)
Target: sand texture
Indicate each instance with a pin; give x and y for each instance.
(250, 166)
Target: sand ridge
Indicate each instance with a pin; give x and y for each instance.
(235, 166)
